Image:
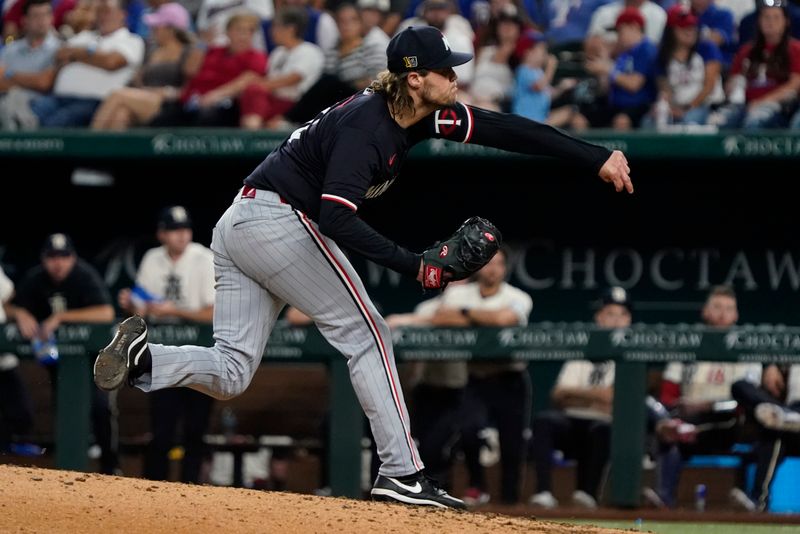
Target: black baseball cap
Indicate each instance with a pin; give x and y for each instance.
(174, 218)
(615, 295)
(58, 245)
(422, 47)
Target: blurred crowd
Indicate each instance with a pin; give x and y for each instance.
(576, 64)
(480, 413)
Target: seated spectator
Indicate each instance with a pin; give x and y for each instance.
(601, 40)
(175, 282)
(716, 25)
(493, 84)
(532, 81)
(441, 14)
(295, 65)
(169, 65)
(11, 15)
(775, 407)
(16, 414)
(630, 79)
(765, 75)
(498, 394)
(320, 26)
(373, 14)
(580, 427)
(211, 96)
(688, 72)
(698, 394)
(27, 66)
(94, 64)
(738, 8)
(213, 17)
(350, 68)
(749, 23)
(66, 289)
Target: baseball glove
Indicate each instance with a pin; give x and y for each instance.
(465, 252)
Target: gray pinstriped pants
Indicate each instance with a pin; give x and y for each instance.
(267, 254)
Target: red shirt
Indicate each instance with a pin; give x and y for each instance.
(220, 67)
(760, 81)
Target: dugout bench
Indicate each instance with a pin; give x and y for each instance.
(540, 343)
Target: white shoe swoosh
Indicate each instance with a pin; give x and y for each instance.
(416, 488)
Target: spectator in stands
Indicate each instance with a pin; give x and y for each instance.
(493, 84)
(175, 282)
(373, 15)
(765, 75)
(630, 79)
(716, 25)
(16, 414)
(775, 407)
(11, 16)
(437, 396)
(532, 80)
(688, 72)
(211, 98)
(699, 395)
(738, 8)
(169, 65)
(94, 64)
(497, 394)
(442, 14)
(749, 23)
(27, 66)
(602, 38)
(320, 26)
(580, 426)
(213, 17)
(295, 65)
(66, 289)
(350, 68)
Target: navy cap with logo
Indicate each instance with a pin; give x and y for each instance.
(174, 218)
(58, 245)
(422, 47)
(615, 295)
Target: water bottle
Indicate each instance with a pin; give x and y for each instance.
(228, 422)
(700, 497)
(663, 114)
(45, 351)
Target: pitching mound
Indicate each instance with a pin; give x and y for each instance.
(44, 500)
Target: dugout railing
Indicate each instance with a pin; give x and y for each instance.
(540, 344)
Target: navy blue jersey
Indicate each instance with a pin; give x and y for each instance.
(353, 151)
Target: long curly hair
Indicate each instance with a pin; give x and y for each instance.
(395, 88)
(778, 64)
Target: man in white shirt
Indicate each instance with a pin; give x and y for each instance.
(93, 65)
(498, 394)
(175, 282)
(212, 19)
(373, 14)
(581, 425)
(699, 394)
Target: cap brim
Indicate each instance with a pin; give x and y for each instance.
(453, 60)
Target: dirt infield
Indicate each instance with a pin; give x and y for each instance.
(45, 500)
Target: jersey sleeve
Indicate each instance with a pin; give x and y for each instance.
(506, 131)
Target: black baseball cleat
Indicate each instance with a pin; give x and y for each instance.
(416, 489)
(125, 358)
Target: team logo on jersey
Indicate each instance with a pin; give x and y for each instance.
(391, 160)
(410, 62)
(446, 121)
(443, 252)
